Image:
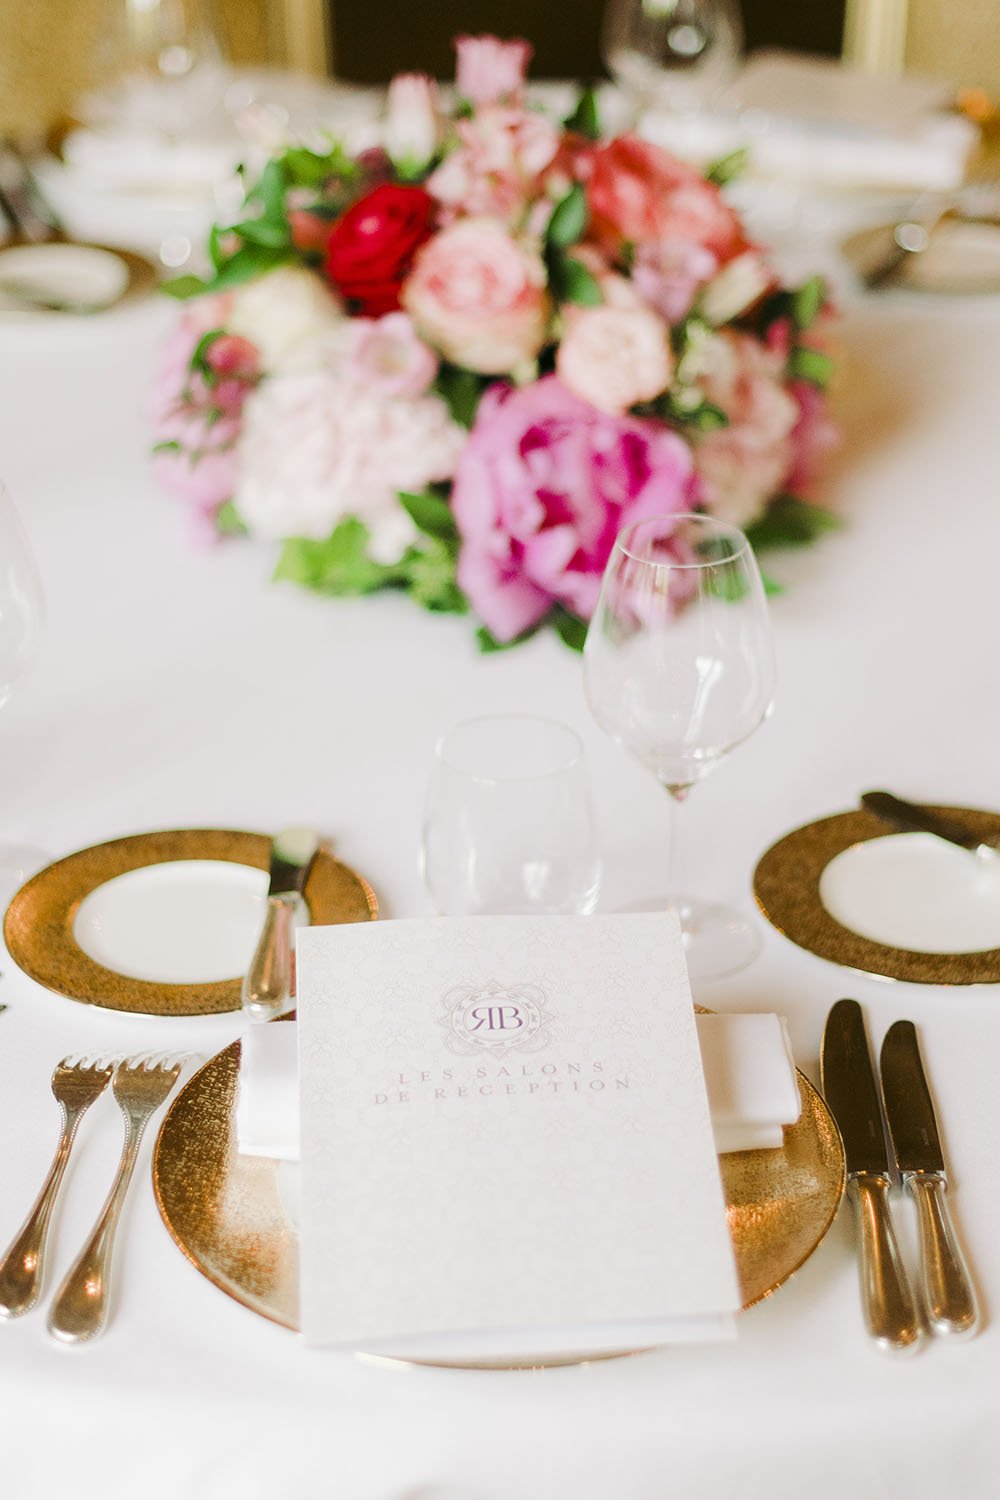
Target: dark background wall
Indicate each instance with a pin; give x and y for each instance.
(375, 38)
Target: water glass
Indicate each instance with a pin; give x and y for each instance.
(508, 824)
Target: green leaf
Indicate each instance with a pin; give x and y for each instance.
(571, 630)
(461, 389)
(790, 522)
(807, 301)
(216, 254)
(430, 578)
(568, 219)
(339, 565)
(171, 446)
(228, 520)
(572, 282)
(182, 287)
(269, 190)
(810, 364)
(431, 514)
(585, 119)
(772, 588)
(264, 232)
(728, 167)
(199, 359)
(250, 261)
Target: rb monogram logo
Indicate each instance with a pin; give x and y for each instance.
(495, 1018)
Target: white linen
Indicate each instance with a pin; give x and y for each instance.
(749, 1076)
(178, 687)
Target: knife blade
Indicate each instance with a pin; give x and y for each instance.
(911, 818)
(944, 1286)
(267, 986)
(848, 1082)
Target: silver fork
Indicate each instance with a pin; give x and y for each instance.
(75, 1085)
(80, 1308)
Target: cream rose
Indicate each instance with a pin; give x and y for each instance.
(289, 314)
(614, 356)
(478, 294)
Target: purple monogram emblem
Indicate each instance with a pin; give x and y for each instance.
(495, 1018)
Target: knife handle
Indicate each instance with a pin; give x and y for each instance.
(890, 1312)
(267, 988)
(946, 1291)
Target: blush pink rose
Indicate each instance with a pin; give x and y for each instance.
(638, 193)
(489, 70)
(497, 166)
(614, 356)
(543, 487)
(479, 296)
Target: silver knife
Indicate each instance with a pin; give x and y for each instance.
(267, 987)
(910, 818)
(945, 1288)
(890, 1311)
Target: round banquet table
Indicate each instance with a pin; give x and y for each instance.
(177, 687)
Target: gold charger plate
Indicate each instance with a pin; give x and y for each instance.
(225, 1211)
(38, 927)
(786, 885)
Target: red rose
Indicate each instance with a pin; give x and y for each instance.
(371, 246)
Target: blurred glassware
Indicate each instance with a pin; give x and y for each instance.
(158, 68)
(679, 671)
(508, 825)
(672, 53)
(21, 614)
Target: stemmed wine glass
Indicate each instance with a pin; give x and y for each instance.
(679, 670)
(21, 612)
(673, 52)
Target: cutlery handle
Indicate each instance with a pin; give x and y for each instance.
(890, 1311)
(80, 1308)
(267, 988)
(946, 1290)
(21, 1268)
(910, 818)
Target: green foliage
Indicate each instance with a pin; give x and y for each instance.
(585, 119)
(571, 630)
(811, 365)
(461, 389)
(568, 221)
(229, 522)
(729, 167)
(338, 565)
(183, 287)
(790, 522)
(570, 281)
(431, 514)
(806, 302)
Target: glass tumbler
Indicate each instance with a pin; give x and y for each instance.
(508, 825)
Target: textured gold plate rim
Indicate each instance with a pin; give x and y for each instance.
(786, 887)
(224, 1210)
(38, 926)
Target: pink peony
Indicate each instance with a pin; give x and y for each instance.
(488, 70)
(639, 193)
(614, 356)
(386, 354)
(478, 295)
(543, 487)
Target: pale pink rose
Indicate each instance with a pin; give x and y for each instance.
(614, 357)
(488, 70)
(479, 296)
(543, 486)
(638, 193)
(496, 167)
(412, 130)
(742, 466)
(386, 354)
(317, 448)
(669, 273)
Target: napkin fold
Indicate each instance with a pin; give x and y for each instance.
(749, 1077)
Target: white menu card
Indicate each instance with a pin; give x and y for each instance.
(506, 1143)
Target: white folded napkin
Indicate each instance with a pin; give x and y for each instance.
(749, 1075)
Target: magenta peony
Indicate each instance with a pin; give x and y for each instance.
(545, 483)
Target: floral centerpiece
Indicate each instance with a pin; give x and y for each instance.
(459, 363)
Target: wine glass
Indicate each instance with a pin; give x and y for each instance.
(679, 671)
(21, 613)
(508, 824)
(677, 53)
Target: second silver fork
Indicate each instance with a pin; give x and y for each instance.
(80, 1308)
(75, 1086)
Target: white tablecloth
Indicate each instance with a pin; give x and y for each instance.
(178, 688)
